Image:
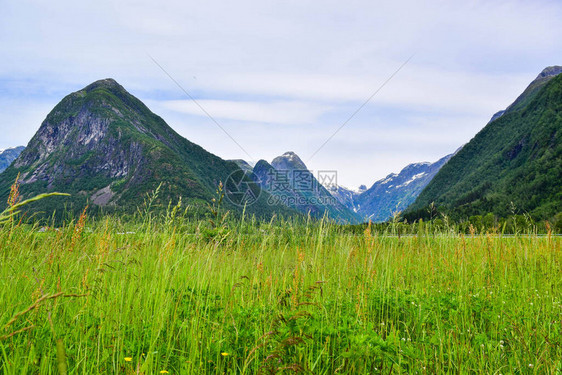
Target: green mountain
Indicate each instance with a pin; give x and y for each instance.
(513, 164)
(107, 149)
(243, 165)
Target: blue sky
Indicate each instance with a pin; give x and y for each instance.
(284, 75)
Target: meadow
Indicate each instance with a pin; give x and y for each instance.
(181, 296)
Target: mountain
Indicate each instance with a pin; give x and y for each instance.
(538, 83)
(8, 155)
(513, 164)
(291, 183)
(396, 192)
(497, 115)
(106, 148)
(242, 164)
(288, 161)
(392, 194)
(347, 196)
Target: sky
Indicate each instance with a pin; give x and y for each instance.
(283, 76)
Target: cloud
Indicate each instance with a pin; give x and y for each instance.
(304, 65)
(415, 87)
(275, 112)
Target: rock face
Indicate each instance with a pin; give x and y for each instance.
(513, 163)
(8, 155)
(106, 148)
(291, 183)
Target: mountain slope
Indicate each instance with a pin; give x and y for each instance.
(291, 183)
(517, 158)
(242, 164)
(347, 197)
(397, 191)
(105, 147)
(542, 79)
(8, 155)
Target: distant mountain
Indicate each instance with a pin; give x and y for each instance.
(8, 155)
(396, 192)
(288, 161)
(291, 183)
(513, 163)
(347, 196)
(392, 194)
(106, 148)
(242, 164)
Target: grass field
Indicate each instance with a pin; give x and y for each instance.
(280, 297)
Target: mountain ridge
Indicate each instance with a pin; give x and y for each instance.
(391, 194)
(514, 164)
(105, 147)
(539, 82)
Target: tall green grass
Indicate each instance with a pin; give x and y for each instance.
(280, 297)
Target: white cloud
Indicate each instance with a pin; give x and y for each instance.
(414, 87)
(276, 112)
(305, 65)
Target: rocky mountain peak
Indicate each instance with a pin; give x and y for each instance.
(544, 76)
(104, 147)
(289, 160)
(550, 71)
(107, 83)
(80, 122)
(534, 87)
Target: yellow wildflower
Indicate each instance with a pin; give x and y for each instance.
(164, 372)
(224, 354)
(128, 359)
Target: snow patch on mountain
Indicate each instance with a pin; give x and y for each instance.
(415, 177)
(391, 194)
(388, 178)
